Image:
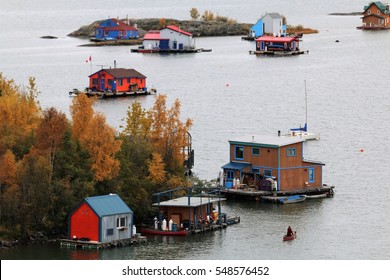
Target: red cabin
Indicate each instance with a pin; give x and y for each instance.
(118, 80)
(103, 218)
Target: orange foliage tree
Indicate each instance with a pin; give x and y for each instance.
(19, 116)
(96, 137)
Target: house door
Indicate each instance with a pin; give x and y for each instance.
(174, 45)
(114, 85)
(102, 85)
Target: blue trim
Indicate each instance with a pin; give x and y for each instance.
(291, 152)
(278, 181)
(311, 175)
(235, 152)
(267, 176)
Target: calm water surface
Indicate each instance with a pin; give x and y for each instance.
(228, 92)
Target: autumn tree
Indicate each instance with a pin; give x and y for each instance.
(157, 173)
(50, 133)
(208, 15)
(96, 137)
(162, 22)
(138, 122)
(194, 14)
(168, 133)
(7, 182)
(19, 116)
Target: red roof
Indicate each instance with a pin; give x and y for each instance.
(121, 73)
(153, 35)
(276, 39)
(177, 29)
(120, 25)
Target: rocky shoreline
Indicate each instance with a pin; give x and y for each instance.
(197, 28)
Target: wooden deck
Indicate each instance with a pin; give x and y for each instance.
(101, 245)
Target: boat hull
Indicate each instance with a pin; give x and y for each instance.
(291, 237)
(164, 232)
(292, 199)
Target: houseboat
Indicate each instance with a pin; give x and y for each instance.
(170, 39)
(114, 82)
(376, 16)
(100, 221)
(189, 214)
(277, 45)
(113, 29)
(271, 166)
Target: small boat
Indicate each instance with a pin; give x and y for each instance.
(291, 237)
(164, 232)
(314, 196)
(292, 199)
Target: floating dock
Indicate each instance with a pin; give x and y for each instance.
(111, 94)
(278, 53)
(253, 194)
(95, 245)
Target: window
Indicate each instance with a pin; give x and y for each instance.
(311, 175)
(120, 82)
(267, 173)
(110, 231)
(95, 82)
(110, 82)
(291, 152)
(256, 151)
(230, 174)
(379, 12)
(255, 170)
(121, 222)
(239, 152)
(369, 12)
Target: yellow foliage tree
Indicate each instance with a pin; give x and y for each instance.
(96, 137)
(138, 122)
(19, 115)
(168, 133)
(157, 173)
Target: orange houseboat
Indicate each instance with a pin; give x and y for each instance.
(376, 15)
(116, 82)
(272, 164)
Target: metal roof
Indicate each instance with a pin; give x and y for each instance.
(274, 39)
(106, 205)
(177, 29)
(266, 140)
(236, 165)
(122, 73)
(195, 201)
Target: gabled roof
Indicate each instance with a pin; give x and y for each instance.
(177, 29)
(106, 205)
(269, 141)
(274, 39)
(121, 73)
(118, 25)
(380, 6)
(274, 15)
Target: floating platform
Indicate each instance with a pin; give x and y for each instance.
(140, 50)
(95, 245)
(278, 53)
(110, 94)
(269, 196)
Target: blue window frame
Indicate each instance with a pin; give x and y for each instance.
(267, 173)
(255, 151)
(255, 170)
(291, 152)
(239, 152)
(311, 175)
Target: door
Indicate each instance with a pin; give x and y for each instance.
(102, 85)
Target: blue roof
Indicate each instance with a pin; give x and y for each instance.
(236, 165)
(106, 205)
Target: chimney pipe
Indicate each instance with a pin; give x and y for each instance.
(279, 133)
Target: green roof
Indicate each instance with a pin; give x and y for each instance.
(380, 5)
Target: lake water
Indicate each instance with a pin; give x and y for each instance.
(228, 92)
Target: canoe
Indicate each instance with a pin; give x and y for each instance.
(292, 199)
(164, 232)
(291, 237)
(323, 195)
